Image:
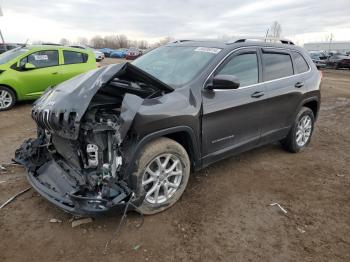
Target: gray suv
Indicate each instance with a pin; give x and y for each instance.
(131, 133)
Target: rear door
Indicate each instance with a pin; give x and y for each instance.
(74, 63)
(232, 118)
(284, 86)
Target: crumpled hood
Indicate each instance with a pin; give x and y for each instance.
(62, 107)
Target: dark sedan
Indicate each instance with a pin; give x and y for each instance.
(319, 60)
(132, 54)
(338, 61)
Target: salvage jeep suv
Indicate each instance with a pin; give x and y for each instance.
(131, 133)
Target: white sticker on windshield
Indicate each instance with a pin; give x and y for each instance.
(41, 57)
(208, 50)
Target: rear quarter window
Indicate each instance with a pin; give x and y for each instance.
(277, 65)
(300, 64)
(72, 57)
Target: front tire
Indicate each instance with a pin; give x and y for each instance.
(7, 98)
(300, 134)
(161, 175)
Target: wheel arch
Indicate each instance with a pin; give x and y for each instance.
(184, 135)
(13, 90)
(313, 104)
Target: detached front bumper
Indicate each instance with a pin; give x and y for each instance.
(54, 184)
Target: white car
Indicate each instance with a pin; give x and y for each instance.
(99, 56)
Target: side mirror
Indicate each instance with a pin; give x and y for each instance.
(224, 82)
(29, 66)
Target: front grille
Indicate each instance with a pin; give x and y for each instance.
(63, 123)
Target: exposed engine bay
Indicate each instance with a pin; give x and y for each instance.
(78, 159)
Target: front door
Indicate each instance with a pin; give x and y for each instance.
(46, 72)
(232, 118)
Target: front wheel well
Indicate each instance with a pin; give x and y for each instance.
(313, 105)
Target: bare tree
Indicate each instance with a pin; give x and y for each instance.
(142, 44)
(275, 30)
(82, 41)
(122, 41)
(110, 42)
(64, 41)
(163, 41)
(97, 42)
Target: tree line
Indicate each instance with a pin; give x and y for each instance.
(122, 41)
(114, 42)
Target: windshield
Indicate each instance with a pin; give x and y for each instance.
(176, 65)
(9, 55)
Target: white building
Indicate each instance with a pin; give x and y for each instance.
(341, 47)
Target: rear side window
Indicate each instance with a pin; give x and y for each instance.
(72, 57)
(300, 64)
(277, 66)
(41, 59)
(244, 67)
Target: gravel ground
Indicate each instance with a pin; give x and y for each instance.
(224, 215)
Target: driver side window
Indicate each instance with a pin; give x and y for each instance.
(41, 59)
(244, 67)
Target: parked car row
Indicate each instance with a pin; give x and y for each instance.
(7, 46)
(330, 60)
(129, 54)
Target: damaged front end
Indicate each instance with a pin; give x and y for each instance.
(79, 156)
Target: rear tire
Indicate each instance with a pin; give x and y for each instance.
(7, 98)
(300, 134)
(161, 175)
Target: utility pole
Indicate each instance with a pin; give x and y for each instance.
(330, 42)
(2, 37)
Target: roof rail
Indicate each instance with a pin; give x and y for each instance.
(263, 39)
(194, 40)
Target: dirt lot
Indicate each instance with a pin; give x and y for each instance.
(224, 214)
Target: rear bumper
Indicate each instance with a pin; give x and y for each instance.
(131, 57)
(54, 184)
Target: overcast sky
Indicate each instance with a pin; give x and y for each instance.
(51, 20)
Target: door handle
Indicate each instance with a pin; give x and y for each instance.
(299, 84)
(55, 73)
(257, 94)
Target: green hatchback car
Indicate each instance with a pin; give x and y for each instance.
(27, 71)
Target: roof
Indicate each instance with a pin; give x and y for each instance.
(54, 47)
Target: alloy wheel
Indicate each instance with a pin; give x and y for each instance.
(304, 129)
(5, 99)
(162, 178)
